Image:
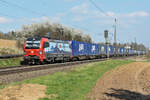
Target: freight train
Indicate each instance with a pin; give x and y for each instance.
(40, 50)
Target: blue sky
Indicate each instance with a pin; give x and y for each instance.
(133, 16)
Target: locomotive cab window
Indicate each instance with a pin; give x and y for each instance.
(32, 44)
(45, 45)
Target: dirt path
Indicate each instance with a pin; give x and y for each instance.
(129, 82)
(23, 92)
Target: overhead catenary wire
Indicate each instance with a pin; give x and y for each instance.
(102, 11)
(99, 8)
(85, 29)
(2, 14)
(20, 7)
(7, 4)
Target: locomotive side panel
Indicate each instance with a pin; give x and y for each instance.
(58, 50)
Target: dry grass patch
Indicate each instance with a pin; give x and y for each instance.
(9, 47)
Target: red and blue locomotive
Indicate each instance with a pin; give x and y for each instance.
(43, 50)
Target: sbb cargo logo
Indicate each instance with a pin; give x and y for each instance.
(81, 47)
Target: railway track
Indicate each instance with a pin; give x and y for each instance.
(20, 69)
(20, 73)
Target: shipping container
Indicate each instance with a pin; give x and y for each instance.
(111, 50)
(82, 48)
(93, 49)
(79, 48)
(125, 51)
(103, 49)
(122, 50)
(131, 52)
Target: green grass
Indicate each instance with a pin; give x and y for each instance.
(77, 83)
(10, 62)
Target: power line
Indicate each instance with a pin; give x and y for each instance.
(85, 29)
(20, 7)
(26, 9)
(100, 9)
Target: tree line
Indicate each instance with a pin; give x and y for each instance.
(55, 31)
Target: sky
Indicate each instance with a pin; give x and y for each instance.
(133, 17)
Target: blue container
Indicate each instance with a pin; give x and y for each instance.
(93, 49)
(79, 48)
(82, 48)
(111, 50)
(117, 50)
(139, 52)
(131, 51)
(103, 49)
(122, 50)
(125, 51)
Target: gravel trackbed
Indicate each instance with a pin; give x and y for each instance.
(128, 82)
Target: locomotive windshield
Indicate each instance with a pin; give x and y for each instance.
(32, 43)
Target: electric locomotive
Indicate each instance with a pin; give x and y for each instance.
(39, 50)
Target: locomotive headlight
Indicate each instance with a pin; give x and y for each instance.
(41, 52)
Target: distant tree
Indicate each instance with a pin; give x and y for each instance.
(78, 37)
(52, 30)
(1, 35)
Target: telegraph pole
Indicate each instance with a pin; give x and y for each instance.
(115, 38)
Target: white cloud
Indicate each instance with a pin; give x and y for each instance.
(5, 20)
(78, 19)
(58, 17)
(80, 9)
(121, 15)
(44, 18)
(140, 13)
(82, 12)
(111, 14)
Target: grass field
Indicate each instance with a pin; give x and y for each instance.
(74, 84)
(10, 62)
